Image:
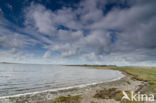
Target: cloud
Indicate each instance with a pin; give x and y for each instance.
(47, 54)
(95, 31)
(136, 24)
(13, 39)
(90, 31)
(137, 57)
(13, 42)
(40, 18)
(14, 55)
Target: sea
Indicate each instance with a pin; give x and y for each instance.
(28, 78)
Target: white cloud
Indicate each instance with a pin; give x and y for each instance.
(47, 54)
(11, 39)
(137, 57)
(41, 18)
(14, 55)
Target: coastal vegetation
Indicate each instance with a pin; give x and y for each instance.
(68, 99)
(113, 93)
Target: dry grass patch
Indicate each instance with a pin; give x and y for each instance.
(113, 93)
(68, 99)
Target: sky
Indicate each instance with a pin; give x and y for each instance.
(104, 32)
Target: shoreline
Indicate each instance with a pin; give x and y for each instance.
(85, 91)
(8, 99)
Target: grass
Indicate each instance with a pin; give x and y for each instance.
(141, 73)
(144, 74)
(68, 99)
(106, 93)
(113, 93)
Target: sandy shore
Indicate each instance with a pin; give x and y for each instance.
(126, 83)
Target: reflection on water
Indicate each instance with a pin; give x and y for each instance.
(24, 78)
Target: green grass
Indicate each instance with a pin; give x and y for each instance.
(142, 73)
(68, 99)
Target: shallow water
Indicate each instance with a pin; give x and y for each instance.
(26, 78)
